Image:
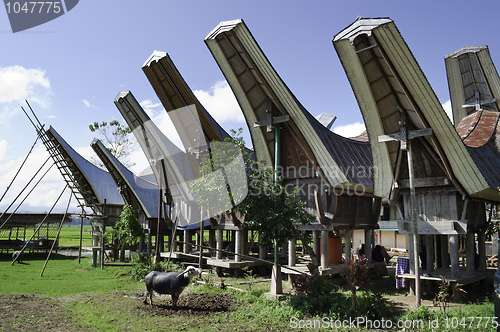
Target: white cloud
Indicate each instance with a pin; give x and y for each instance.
(221, 103)
(46, 192)
(3, 149)
(151, 108)
(88, 104)
(18, 84)
(448, 110)
(350, 130)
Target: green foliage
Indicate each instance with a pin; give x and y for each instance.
(128, 230)
(314, 293)
(418, 319)
(224, 162)
(268, 207)
(115, 137)
(142, 268)
(373, 306)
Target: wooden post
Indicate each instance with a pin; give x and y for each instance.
(481, 247)
(348, 244)
(405, 136)
(292, 252)
(81, 237)
(238, 246)
(470, 242)
(220, 243)
(454, 247)
(157, 257)
(414, 216)
(211, 240)
(187, 241)
(429, 254)
(368, 245)
(324, 249)
(316, 245)
(262, 252)
(202, 235)
(104, 218)
(274, 123)
(445, 255)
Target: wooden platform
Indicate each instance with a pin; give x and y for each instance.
(180, 255)
(231, 264)
(332, 269)
(465, 277)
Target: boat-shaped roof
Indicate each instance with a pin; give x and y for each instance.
(260, 91)
(95, 185)
(388, 81)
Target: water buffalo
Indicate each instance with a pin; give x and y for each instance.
(172, 283)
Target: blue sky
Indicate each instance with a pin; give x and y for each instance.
(71, 69)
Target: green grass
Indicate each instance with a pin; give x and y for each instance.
(69, 237)
(108, 300)
(63, 276)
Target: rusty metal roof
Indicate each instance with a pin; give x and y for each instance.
(480, 133)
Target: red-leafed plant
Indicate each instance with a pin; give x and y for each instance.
(356, 275)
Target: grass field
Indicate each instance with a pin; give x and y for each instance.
(70, 236)
(78, 297)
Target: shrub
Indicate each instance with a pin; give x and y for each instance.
(142, 268)
(356, 275)
(314, 293)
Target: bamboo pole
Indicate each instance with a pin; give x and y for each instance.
(39, 226)
(57, 235)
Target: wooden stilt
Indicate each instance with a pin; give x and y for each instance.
(292, 252)
(429, 247)
(348, 244)
(324, 249)
(454, 248)
(368, 244)
(470, 251)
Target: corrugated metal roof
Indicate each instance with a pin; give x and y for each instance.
(353, 157)
(257, 85)
(136, 191)
(97, 185)
(387, 80)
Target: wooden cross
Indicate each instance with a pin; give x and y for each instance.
(270, 121)
(404, 136)
(478, 102)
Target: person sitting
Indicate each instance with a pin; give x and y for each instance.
(378, 259)
(361, 252)
(378, 254)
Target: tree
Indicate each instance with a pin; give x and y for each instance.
(268, 208)
(128, 230)
(115, 137)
